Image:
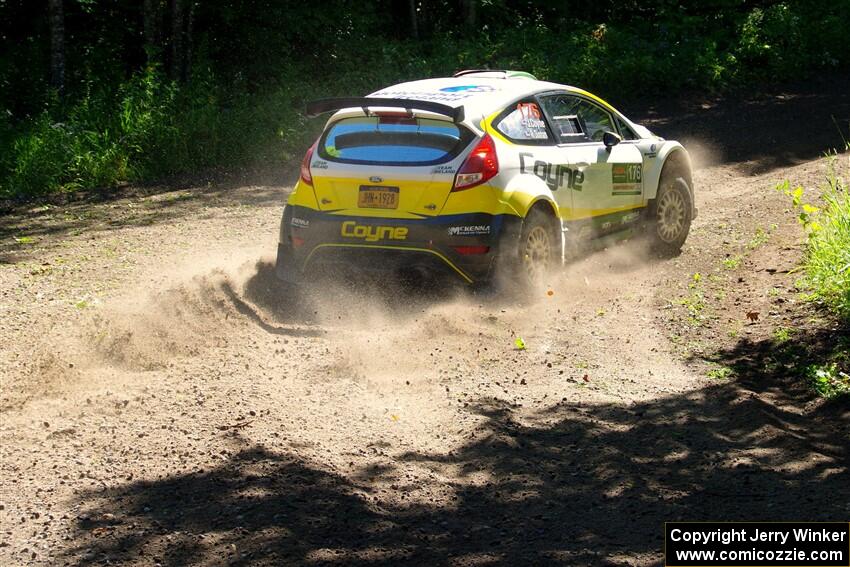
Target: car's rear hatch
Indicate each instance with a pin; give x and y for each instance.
(389, 164)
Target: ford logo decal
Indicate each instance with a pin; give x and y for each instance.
(376, 179)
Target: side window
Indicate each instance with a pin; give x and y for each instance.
(597, 120)
(626, 132)
(524, 123)
(577, 120)
(562, 111)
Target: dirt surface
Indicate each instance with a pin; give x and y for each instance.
(164, 402)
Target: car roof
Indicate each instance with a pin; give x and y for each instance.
(484, 92)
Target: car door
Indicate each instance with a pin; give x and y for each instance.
(536, 150)
(608, 187)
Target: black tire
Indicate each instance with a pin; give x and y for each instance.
(510, 274)
(538, 249)
(671, 215)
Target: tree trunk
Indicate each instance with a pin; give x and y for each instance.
(190, 28)
(57, 45)
(467, 8)
(177, 63)
(414, 19)
(152, 25)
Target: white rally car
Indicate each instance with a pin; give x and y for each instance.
(483, 172)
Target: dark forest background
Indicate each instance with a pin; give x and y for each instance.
(98, 92)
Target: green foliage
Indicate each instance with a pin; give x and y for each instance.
(782, 334)
(720, 373)
(827, 261)
(148, 129)
(732, 262)
(38, 159)
(760, 237)
(828, 380)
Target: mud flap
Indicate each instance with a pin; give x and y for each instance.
(286, 268)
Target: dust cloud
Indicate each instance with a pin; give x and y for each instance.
(380, 334)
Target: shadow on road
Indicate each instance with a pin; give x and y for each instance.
(779, 368)
(575, 484)
(47, 225)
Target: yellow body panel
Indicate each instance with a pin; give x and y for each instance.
(579, 214)
(340, 193)
(481, 199)
(303, 196)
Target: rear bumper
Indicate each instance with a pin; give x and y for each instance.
(464, 246)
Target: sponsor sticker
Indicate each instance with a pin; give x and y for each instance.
(443, 169)
(461, 88)
(473, 230)
(630, 217)
(554, 175)
(532, 121)
(300, 223)
(371, 233)
(441, 95)
(626, 178)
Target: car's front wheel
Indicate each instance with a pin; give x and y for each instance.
(670, 219)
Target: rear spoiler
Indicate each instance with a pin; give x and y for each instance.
(323, 105)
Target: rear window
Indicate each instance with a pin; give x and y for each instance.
(393, 140)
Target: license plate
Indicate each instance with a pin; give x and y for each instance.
(377, 197)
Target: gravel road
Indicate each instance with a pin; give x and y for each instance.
(165, 401)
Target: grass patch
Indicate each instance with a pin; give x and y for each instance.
(826, 267)
(732, 262)
(720, 373)
(694, 302)
(827, 255)
(828, 380)
(759, 238)
(782, 334)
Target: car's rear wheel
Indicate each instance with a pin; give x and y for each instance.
(670, 219)
(537, 248)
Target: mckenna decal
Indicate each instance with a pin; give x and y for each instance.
(476, 230)
(554, 175)
(351, 229)
(300, 223)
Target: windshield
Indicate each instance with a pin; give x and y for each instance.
(385, 140)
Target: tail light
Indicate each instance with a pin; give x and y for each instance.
(480, 165)
(471, 250)
(306, 175)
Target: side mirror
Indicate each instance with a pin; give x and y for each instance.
(610, 139)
